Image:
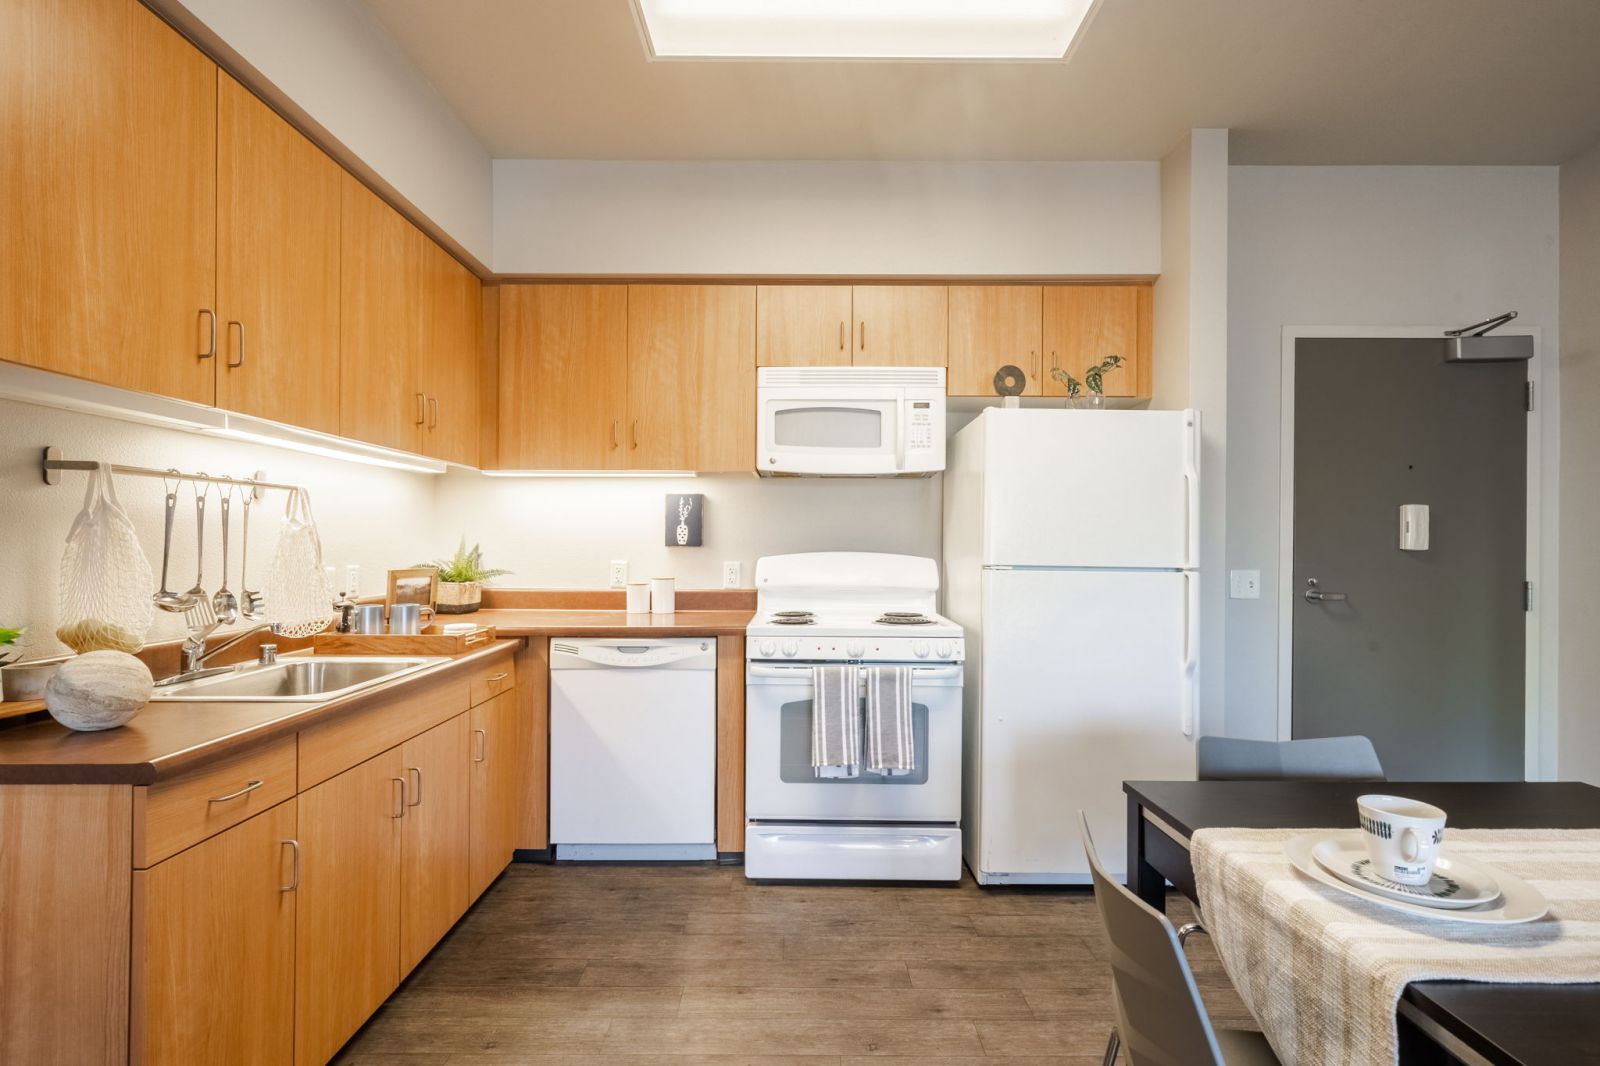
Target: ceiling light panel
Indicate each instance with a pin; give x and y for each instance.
(862, 29)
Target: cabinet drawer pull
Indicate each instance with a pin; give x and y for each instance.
(254, 784)
(501, 676)
(400, 806)
(418, 771)
(483, 745)
(422, 405)
(294, 870)
(234, 364)
(211, 349)
(433, 412)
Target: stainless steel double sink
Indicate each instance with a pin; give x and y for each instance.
(309, 680)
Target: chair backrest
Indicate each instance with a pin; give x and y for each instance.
(1322, 759)
(1159, 1013)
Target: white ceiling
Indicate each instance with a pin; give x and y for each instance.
(1298, 81)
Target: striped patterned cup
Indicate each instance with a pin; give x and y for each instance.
(1402, 835)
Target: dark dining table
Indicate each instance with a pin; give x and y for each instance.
(1439, 1021)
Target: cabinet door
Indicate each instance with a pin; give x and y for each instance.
(107, 197)
(900, 325)
(563, 377)
(992, 326)
(278, 206)
(347, 940)
(213, 948)
(691, 377)
(802, 325)
(1083, 324)
(452, 328)
(380, 322)
(433, 878)
(497, 775)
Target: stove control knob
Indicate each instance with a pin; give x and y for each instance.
(791, 647)
(768, 649)
(943, 649)
(854, 649)
(920, 649)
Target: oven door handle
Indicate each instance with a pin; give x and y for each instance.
(924, 673)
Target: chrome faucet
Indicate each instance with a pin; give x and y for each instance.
(195, 653)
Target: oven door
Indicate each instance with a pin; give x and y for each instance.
(861, 436)
(780, 783)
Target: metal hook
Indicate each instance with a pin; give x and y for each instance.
(1482, 327)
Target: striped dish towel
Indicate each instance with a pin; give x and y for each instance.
(835, 721)
(891, 744)
(1323, 972)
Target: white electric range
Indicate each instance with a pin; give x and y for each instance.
(870, 609)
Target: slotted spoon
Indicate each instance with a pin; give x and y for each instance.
(225, 603)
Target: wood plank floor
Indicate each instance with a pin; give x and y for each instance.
(591, 965)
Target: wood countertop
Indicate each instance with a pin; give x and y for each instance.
(548, 622)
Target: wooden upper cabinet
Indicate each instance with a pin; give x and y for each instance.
(803, 325)
(691, 377)
(452, 324)
(992, 326)
(1083, 324)
(435, 843)
(380, 322)
(213, 959)
(563, 377)
(278, 237)
(900, 325)
(107, 197)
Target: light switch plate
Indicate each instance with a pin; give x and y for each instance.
(1244, 584)
(730, 574)
(619, 573)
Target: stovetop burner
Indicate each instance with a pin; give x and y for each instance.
(904, 618)
(794, 618)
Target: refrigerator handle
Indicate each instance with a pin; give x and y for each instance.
(1191, 649)
(1191, 489)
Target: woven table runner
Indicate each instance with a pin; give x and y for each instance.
(1323, 971)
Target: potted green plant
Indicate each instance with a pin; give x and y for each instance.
(461, 579)
(1094, 377)
(1070, 383)
(9, 649)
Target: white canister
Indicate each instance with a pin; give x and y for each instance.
(638, 597)
(663, 600)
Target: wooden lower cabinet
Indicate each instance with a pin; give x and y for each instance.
(494, 744)
(214, 948)
(433, 865)
(347, 944)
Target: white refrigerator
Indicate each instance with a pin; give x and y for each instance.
(1071, 543)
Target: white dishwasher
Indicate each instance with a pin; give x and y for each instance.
(633, 748)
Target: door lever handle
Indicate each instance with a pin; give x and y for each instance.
(1316, 595)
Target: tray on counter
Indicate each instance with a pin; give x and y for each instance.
(429, 642)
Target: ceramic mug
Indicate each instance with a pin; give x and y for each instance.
(1402, 835)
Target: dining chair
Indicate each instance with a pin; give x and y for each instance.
(1160, 1018)
(1321, 759)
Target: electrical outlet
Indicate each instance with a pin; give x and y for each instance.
(730, 574)
(1244, 584)
(619, 573)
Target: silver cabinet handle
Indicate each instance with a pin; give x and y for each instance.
(634, 434)
(418, 771)
(254, 784)
(483, 745)
(841, 335)
(433, 412)
(501, 676)
(400, 806)
(863, 336)
(294, 874)
(211, 349)
(422, 407)
(236, 364)
(614, 424)
(1316, 595)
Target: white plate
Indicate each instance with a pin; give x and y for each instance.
(1456, 883)
(1518, 902)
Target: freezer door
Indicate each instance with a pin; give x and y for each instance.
(1088, 680)
(1091, 488)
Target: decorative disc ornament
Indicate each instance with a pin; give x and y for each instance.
(1009, 381)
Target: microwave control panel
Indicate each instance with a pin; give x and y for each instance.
(920, 437)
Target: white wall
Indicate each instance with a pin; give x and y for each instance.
(1580, 467)
(333, 58)
(1169, 313)
(563, 532)
(376, 517)
(847, 218)
(1365, 246)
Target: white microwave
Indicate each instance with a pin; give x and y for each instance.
(849, 421)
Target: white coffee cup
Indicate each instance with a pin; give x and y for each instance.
(1402, 835)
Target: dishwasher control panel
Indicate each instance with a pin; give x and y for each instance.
(624, 652)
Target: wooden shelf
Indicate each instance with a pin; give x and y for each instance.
(17, 708)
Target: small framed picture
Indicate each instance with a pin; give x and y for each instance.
(419, 585)
(684, 514)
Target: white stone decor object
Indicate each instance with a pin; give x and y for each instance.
(98, 690)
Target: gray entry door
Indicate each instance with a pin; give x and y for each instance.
(1425, 654)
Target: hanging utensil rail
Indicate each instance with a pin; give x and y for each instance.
(52, 464)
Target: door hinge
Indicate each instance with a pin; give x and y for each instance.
(1527, 399)
(1527, 595)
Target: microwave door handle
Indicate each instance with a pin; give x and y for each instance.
(900, 432)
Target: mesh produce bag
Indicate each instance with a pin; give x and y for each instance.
(105, 578)
(298, 597)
